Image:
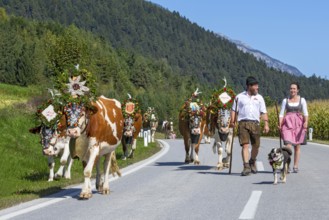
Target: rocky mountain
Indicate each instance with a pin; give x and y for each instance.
(270, 61)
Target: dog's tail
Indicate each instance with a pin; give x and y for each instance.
(288, 150)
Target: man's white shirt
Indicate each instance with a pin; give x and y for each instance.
(249, 107)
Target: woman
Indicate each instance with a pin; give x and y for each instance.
(293, 125)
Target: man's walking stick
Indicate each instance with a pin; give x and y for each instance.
(235, 118)
(277, 114)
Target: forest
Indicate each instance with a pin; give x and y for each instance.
(132, 46)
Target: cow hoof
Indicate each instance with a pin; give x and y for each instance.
(85, 195)
(219, 166)
(50, 180)
(57, 176)
(106, 191)
(226, 165)
(196, 162)
(187, 160)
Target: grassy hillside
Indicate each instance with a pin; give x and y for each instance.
(24, 170)
(11, 95)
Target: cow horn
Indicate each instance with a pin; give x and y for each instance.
(196, 93)
(54, 92)
(225, 82)
(77, 67)
(129, 95)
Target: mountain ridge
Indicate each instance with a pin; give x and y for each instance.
(260, 55)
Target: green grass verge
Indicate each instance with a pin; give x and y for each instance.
(10, 95)
(24, 170)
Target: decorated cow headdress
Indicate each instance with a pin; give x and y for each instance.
(76, 86)
(130, 107)
(150, 114)
(222, 98)
(193, 106)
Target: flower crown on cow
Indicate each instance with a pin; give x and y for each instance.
(150, 114)
(222, 98)
(49, 112)
(76, 86)
(193, 106)
(130, 107)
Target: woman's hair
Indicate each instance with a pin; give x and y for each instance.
(295, 83)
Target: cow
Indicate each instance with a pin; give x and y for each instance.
(55, 142)
(150, 122)
(192, 121)
(219, 113)
(219, 126)
(132, 127)
(168, 129)
(95, 130)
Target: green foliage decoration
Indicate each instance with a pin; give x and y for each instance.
(42, 120)
(217, 104)
(186, 111)
(148, 114)
(86, 78)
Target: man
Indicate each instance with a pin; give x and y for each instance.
(251, 107)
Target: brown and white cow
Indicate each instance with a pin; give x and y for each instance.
(132, 127)
(95, 133)
(55, 142)
(191, 126)
(168, 129)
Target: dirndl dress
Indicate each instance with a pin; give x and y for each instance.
(292, 130)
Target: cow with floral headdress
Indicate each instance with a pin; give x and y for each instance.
(192, 121)
(132, 126)
(150, 121)
(54, 141)
(95, 126)
(219, 114)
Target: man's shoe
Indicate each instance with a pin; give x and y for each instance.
(253, 167)
(246, 170)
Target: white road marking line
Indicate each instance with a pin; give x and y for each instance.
(138, 166)
(35, 207)
(260, 166)
(250, 208)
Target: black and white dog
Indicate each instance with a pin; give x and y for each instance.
(279, 159)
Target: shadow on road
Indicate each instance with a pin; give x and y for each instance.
(169, 163)
(222, 173)
(195, 167)
(264, 183)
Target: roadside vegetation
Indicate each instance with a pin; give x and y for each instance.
(318, 120)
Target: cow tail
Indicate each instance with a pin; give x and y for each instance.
(114, 169)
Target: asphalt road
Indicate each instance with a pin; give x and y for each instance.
(163, 187)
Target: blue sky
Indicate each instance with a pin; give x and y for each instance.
(295, 32)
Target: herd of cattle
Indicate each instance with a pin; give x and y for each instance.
(90, 133)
